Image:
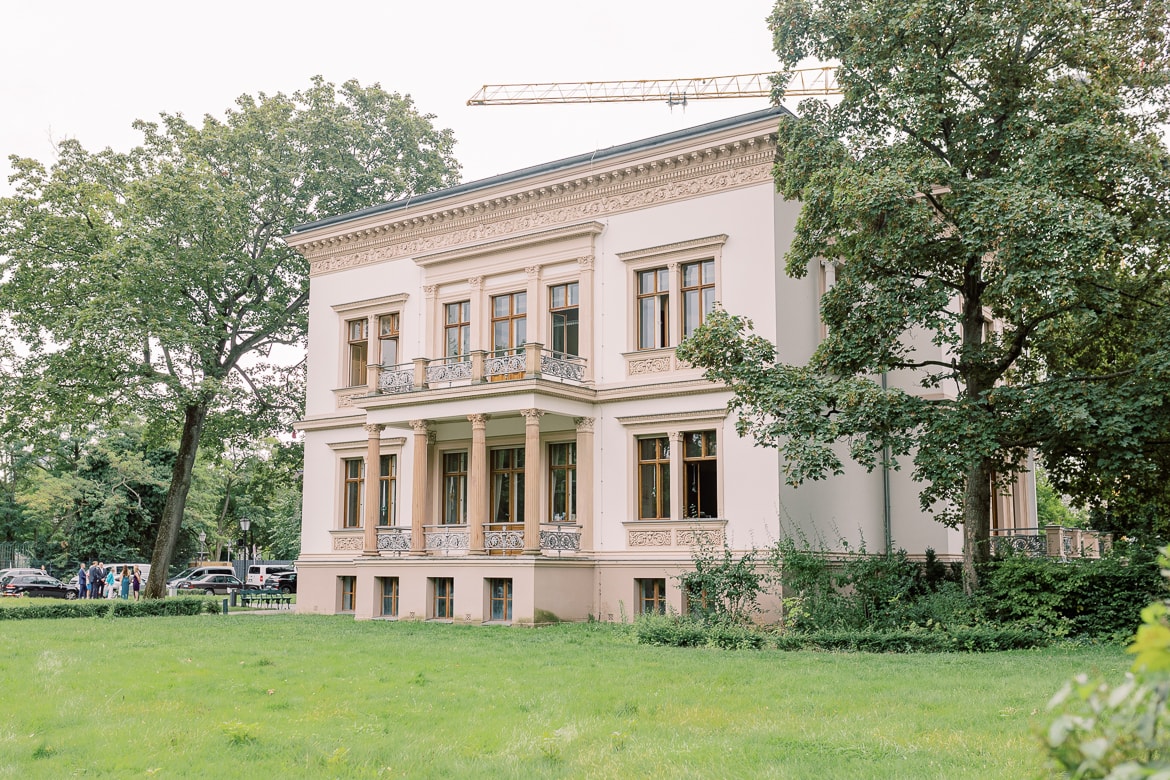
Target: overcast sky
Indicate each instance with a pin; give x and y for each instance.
(86, 70)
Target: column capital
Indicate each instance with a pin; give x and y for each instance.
(584, 423)
(676, 436)
(478, 420)
(373, 429)
(585, 263)
(533, 271)
(420, 427)
(673, 266)
(475, 282)
(430, 290)
(532, 416)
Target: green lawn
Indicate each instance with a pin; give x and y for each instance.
(315, 696)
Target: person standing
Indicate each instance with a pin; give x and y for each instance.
(82, 579)
(95, 578)
(111, 593)
(137, 582)
(125, 589)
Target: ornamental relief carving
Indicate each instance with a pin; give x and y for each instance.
(699, 538)
(674, 184)
(654, 365)
(348, 543)
(649, 538)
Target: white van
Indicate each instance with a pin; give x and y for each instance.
(258, 574)
(199, 571)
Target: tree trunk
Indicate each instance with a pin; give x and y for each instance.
(976, 522)
(172, 517)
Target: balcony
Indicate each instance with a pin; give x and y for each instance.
(1052, 541)
(556, 539)
(531, 361)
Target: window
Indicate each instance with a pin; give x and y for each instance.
(507, 475)
(698, 294)
(500, 600)
(388, 336)
(563, 301)
(348, 587)
(700, 470)
(389, 596)
(654, 478)
(457, 329)
(653, 309)
(354, 481)
(442, 597)
(509, 321)
(454, 488)
(652, 597)
(388, 490)
(562, 482)
(359, 341)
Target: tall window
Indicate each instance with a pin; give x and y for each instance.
(457, 329)
(563, 302)
(653, 309)
(454, 488)
(443, 597)
(500, 599)
(348, 587)
(698, 293)
(359, 343)
(562, 482)
(654, 478)
(509, 321)
(387, 490)
(700, 467)
(652, 596)
(354, 480)
(388, 336)
(389, 596)
(507, 485)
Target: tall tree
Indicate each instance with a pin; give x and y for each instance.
(995, 192)
(157, 279)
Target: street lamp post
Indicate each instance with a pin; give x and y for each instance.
(246, 526)
(202, 546)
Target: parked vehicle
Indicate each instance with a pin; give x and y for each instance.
(36, 585)
(197, 572)
(285, 582)
(211, 584)
(259, 574)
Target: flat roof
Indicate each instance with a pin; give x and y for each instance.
(567, 162)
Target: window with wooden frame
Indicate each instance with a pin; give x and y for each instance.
(507, 479)
(454, 488)
(698, 294)
(457, 329)
(387, 490)
(562, 482)
(563, 303)
(500, 599)
(509, 322)
(358, 335)
(353, 494)
(652, 597)
(653, 308)
(348, 591)
(389, 596)
(654, 478)
(700, 475)
(388, 338)
(442, 598)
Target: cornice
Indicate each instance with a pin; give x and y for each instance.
(515, 242)
(678, 176)
(371, 303)
(677, 248)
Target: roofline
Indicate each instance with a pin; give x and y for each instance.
(549, 167)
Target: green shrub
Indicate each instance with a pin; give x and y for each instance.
(968, 639)
(722, 586)
(113, 608)
(668, 630)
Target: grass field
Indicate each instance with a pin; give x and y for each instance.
(316, 696)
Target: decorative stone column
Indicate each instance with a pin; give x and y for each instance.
(674, 284)
(677, 478)
(536, 325)
(584, 487)
(532, 480)
(477, 484)
(480, 316)
(418, 498)
(373, 461)
(373, 353)
(585, 315)
(433, 317)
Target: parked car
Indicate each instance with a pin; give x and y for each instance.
(259, 574)
(211, 584)
(198, 572)
(285, 582)
(36, 585)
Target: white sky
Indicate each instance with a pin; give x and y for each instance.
(86, 70)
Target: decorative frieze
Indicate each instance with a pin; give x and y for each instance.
(348, 543)
(651, 365)
(699, 537)
(649, 538)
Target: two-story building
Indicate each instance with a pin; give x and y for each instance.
(497, 427)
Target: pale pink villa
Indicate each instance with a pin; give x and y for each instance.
(497, 428)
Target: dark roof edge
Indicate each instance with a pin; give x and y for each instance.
(567, 162)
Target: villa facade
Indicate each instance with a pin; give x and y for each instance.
(497, 428)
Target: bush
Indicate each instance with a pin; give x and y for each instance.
(682, 631)
(723, 587)
(112, 608)
(970, 639)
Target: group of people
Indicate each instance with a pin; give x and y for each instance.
(99, 582)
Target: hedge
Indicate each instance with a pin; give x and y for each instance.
(112, 608)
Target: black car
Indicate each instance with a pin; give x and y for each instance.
(285, 582)
(36, 585)
(211, 584)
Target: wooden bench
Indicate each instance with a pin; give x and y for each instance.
(266, 598)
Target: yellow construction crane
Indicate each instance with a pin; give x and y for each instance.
(806, 82)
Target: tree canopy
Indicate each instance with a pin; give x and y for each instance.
(995, 194)
(155, 281)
